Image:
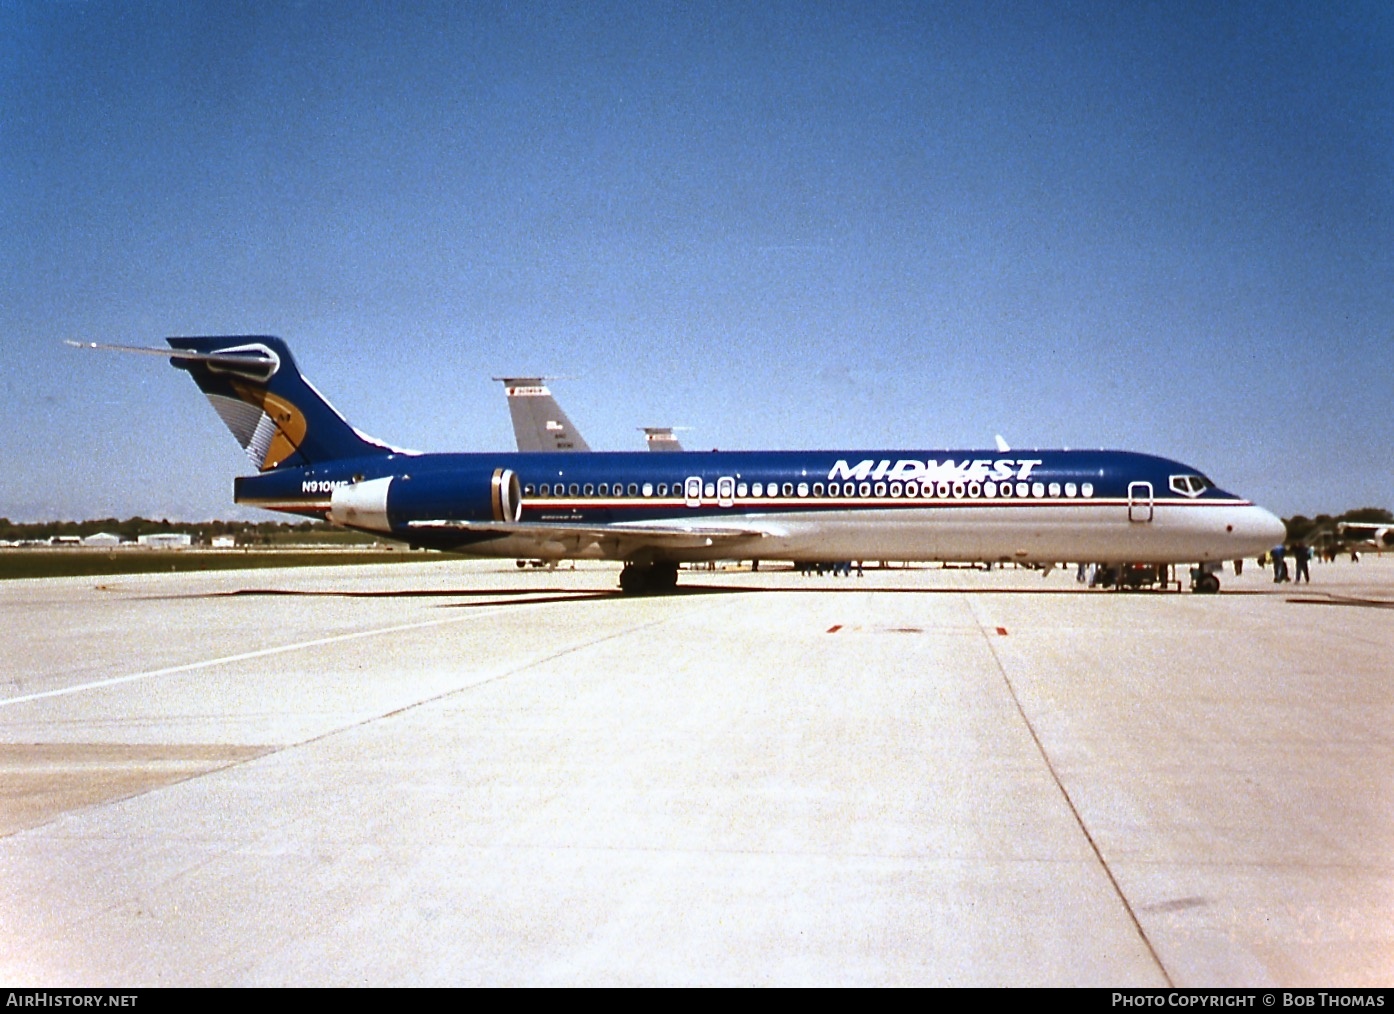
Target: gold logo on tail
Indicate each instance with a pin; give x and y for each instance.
(286, 423)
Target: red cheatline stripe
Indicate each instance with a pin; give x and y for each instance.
(835, 628)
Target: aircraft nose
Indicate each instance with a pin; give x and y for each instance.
(1259, 530)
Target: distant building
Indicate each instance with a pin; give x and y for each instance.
(224, 542)
(65, 540)
(166, 540)
(102, 539)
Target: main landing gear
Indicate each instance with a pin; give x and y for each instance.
(648, 578)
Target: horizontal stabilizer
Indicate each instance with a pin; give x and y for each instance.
(259, 363)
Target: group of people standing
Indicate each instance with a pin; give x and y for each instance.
(1301, 555)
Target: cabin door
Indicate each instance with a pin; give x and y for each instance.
(1139, 501)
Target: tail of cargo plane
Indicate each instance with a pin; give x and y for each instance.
(277, 416)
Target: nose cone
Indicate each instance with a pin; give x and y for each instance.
(1258, 530)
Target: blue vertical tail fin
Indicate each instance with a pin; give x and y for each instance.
(277, 416)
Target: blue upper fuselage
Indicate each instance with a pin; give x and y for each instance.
(605, 487)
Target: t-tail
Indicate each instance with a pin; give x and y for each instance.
(277, 416)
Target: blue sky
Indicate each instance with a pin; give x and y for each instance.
(1162, 226)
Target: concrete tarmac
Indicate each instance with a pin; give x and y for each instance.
(459, 773)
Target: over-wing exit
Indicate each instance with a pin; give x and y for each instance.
(654, 511)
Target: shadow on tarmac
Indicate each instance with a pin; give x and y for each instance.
(1344, 600)
(546, 596)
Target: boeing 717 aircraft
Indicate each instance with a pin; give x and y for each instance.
(654, 511)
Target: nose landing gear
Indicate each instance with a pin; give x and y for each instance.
(1204, 581)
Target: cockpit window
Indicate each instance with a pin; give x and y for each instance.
(1190, 485)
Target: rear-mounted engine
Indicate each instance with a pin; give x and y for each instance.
(390, 503)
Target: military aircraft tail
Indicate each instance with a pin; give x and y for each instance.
(539, 424)
(661, 438)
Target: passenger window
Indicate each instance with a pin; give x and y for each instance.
(758, 489)
(1005, 489)
(590, 489)
(1023, 489)
(528, 489)
(709, 490)
(817, 489)
(1055, 489)
(648, 489)
(543, 490)
(880, 489)
(864, 489)
(788, 489)
(575, 489)
(741, 489)
(1087, 489)
(803, 489)
(1071, 489)
(604, 489)
(896, 489)
(989, 489)
(1038, 489)
(633, 489)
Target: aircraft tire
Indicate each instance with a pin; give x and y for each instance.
(648, 579)
(663, 577)
(1206, 584)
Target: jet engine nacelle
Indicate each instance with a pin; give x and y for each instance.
(389, 503)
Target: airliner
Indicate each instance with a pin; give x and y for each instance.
(1366, 535)
(654, 511)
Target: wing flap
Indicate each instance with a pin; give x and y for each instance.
(615, 540)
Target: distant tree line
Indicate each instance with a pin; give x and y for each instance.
(246, 532)
(1304, 529)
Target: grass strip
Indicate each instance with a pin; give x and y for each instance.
(22, 563)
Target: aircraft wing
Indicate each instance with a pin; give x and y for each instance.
(619, 541)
